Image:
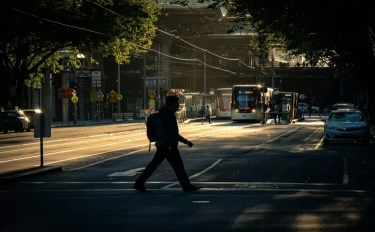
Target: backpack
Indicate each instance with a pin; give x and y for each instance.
(151, 128)
(276, 108)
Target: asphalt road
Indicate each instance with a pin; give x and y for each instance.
(254, 178)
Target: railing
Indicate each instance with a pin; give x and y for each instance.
(122, 116)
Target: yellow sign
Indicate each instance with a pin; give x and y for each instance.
(112, 93)
(74, 99)
(119, 97)
(152, 101)
(152, 94)
(95, 97)
(112, 100)
(170, 93)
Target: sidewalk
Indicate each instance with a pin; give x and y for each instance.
(56, 124)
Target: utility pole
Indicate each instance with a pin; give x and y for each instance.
(272, 67)
(158, 86)
(118, 87)
(205, 76)
(76, 92)
(144, 81)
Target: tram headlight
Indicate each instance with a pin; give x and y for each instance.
(253, 110)
(236, 110)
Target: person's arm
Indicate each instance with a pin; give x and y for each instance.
(185, 141)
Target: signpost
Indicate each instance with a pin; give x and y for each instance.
(118, 97)
(42, 121)
(152, 96)
(302, 96)
(112, 98)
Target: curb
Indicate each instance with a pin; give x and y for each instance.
(13, 176)
(298, 120)
(196, 119)
(92, 124)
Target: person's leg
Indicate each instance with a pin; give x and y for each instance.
(151, 167)
(209, 119)
(174, 158)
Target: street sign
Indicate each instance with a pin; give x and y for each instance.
(302, 96)
(112, 100)
(152, 94)
(74, 99)
(119, 97)
(112, 94)
(96, 97)
(65, 92)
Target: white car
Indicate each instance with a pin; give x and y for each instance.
(303, 107)
(346, 125)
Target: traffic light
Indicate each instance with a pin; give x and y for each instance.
(73, 85)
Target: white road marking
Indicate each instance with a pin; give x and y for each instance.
(201, 202)
(103, 145)
(345, 178)
(131, 172)
(200, 190)
(171, 182)
(288, 132)
(197, 174)
(307, 139)
(100, 162)
(320, 143)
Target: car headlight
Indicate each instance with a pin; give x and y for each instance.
(328, 127)
(364, 126)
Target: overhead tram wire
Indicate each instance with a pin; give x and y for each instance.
(177, 37)
(99, 33)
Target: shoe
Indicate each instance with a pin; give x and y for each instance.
(192, 188)
(141, 189)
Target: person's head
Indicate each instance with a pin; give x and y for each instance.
(172, 103)
(207, 106)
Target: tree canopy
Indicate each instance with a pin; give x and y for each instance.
(35, 31)
(334, 31)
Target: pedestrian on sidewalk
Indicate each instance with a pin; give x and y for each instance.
(207, 113)
(167, 138)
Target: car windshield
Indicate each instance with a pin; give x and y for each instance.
(337, 107)
(346, 117)
(9, 114)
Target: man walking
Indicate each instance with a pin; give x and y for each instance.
(207, 113)
(167, 138)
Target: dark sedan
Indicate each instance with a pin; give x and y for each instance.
(14, 120)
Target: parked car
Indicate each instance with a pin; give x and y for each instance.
(14, 120)
(304, 108)
(339, 106)
(30, 114)
(346, 125)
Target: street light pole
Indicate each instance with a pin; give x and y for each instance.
(144, 81)
(272, 67)
(118, 87)
(205, 76)
(158, 86)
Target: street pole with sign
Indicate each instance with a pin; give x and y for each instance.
(118, 87)
(302, 96)
(158, 86)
